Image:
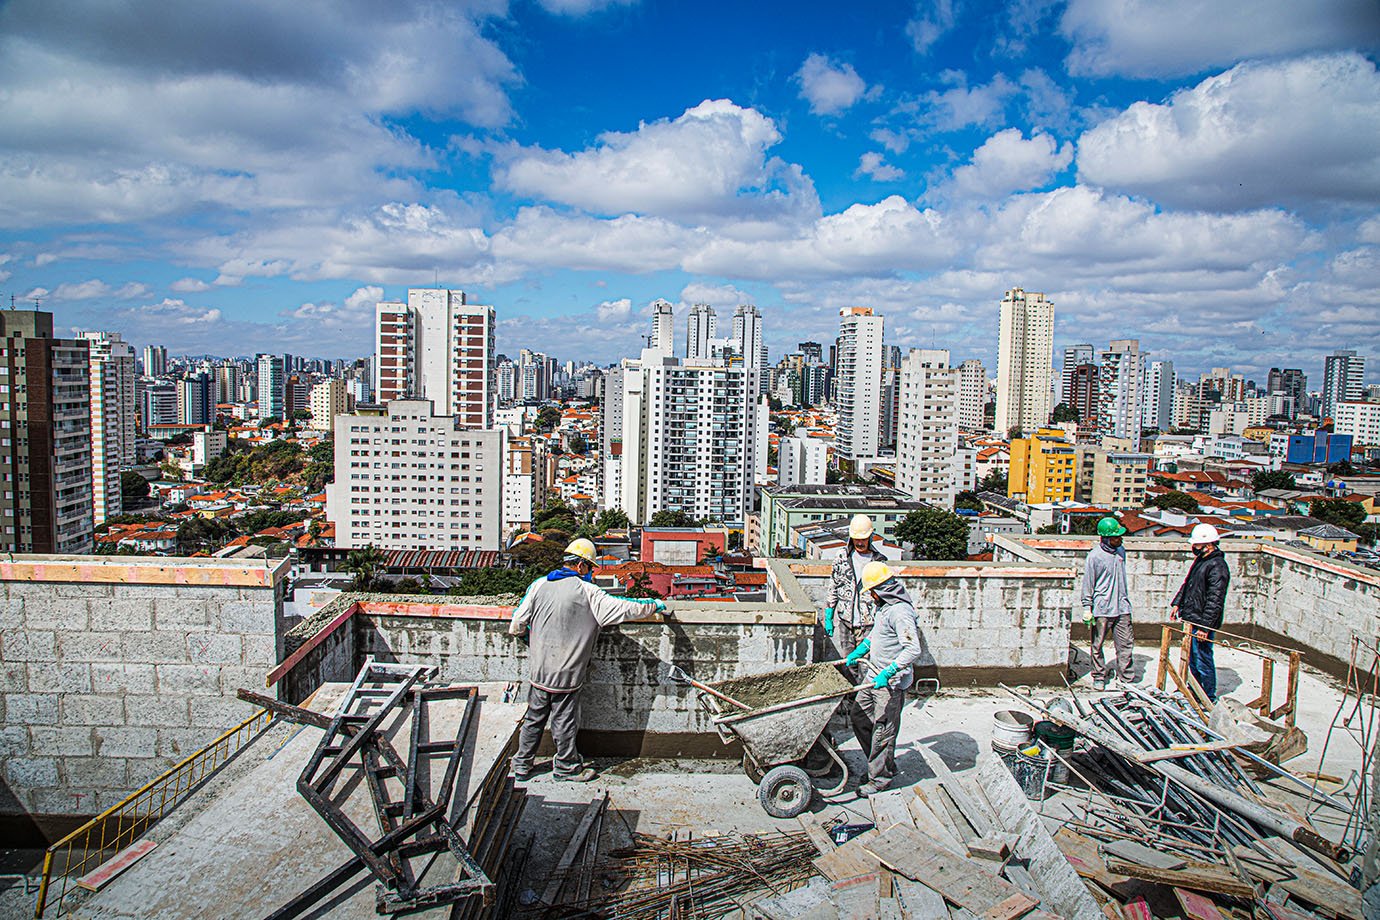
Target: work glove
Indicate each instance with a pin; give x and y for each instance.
(882, 679)
(660, 607)
(1087, 618)
(829, 621)
(858, 652)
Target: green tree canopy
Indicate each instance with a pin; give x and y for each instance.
(557, 514)
(133, 487)
(548, 417)
(578, 444)
(365, 564)
(994, 481)
(1174, 501)
(968, 500)
(541, 556)
(935, 534)
(673, 518)
(610, 519)
(200, 534)
(491, 581)
(1342, 468)
(1338, 511)
(1273, 479)
(1064, 413)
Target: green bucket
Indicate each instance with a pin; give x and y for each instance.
(1054, 735)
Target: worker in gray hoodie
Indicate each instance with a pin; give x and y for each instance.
(562, 615)
(1106, 603)
(884, 659)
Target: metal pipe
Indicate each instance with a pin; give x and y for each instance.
(1268, 818)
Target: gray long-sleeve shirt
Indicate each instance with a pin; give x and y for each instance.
(1104, 582)
(895, 637)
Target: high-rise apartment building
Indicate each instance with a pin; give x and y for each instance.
(1042, 468)
(225, 382)
(329, 399)
(1110, 476)
(801, 460)
(1074, 356)
(45, 456)
(700, 327)
(1157, 388)
(972, 395)
(524, 482)
(1119, 403)
(1221, 386)
(408, 479)
(158, 403)
(689, 437)
(113, 419)
(1292, 383)
(272, 388)
(1025, 360)
(747, 333)
(155, 360)
(812, 351)
(663, 340)
(1360, 420)
(505, 379)
(858, 383)
(1083, 397)
(927, 440)
(1344, 380)
(437, 346)
(194, 403)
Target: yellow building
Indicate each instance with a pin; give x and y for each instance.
(1329, 538)
(1042, 468)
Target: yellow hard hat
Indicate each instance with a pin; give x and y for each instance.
(582, 548)
(860, 528)
(874, 573)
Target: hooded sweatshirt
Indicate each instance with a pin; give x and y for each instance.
(1104, 581)
(895, 636)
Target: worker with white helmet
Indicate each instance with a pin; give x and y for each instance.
(885, 659)
(562, 614)
(848, 608)
(1200, 603)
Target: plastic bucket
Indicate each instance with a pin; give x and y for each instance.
(1006, 752)
(1011, 728)
(1054, 735)
(1030, 773)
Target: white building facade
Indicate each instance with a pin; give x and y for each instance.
(972, 395)
(114, 414)
(927, 441)
(1025, 360)
(801, 460)
(1119, 403)
(1157, 387)
(859, 383)
(437, 346)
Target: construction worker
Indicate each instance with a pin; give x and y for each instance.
(562, 615)
(848, 610)
(1106, 603)
(884, 658)
(1200, 603)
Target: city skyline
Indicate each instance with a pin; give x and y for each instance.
(1215, 199)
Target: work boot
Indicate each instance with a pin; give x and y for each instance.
(584, 776)
(871, 788)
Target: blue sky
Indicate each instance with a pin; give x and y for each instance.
(241, 177)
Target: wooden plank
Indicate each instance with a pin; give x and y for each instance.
(816, 832)
(1061, 890)
(1019, 876)
(1136, 908)
(888, 909)
(919, 901)
(1197, 907)
(982, 821)
(1187, 750)
(106, 872)
(1140, 853)
(959, 880)
(1081, 852)
(994, 847)
(1197, 876)
(889, 808)
(572, 849)
(1323, 891)
(850, 860)
(927, 822)
(856, 897)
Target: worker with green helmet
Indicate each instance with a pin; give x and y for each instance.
(1107, 603)
(561, 615)
(884, 660)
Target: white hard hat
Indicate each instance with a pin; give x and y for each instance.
(1204, 533)
(860, 528)
(582, 548)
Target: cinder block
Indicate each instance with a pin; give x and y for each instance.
(24, 773)
(120, 614)
(59, 677)
(29, 645)
(90, 646)
(262, 651)
(157, 711)
(92, 773)
(177, 743)
(14, 740)
(180, 612)
(61, 741)
(82, 709)
(14, 677)
(126, 742)
(145, 770)
(61, 802)
(219, 713)
(188, 679)
(234, 677)
(244, 617)
(11, 613)
(155, 647)
(31, 709)
(123, 678)
(57, 613)
(214, 648)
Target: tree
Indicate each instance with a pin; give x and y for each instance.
(539, 556)
(935, 534)
(322, 451)
(1013, 432)
(548, 417)
(1085, 525)
(1338, 511)
(1342, 468)
(1174, 501)
(968, 500)
(673, 518)
(1064, 413)
(491, 581)
(133, 487)
(578, 444)
(640, 586)
(994, 481)
(365, 565)
(1273, 479)
(556, 515)
(1048, 529)
(1368, 533)
(610, 519)
(199, 534)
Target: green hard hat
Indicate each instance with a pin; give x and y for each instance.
(1110, 527)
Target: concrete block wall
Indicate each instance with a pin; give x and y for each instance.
(1318, 602)
(113, 669)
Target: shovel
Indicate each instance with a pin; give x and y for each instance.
(680, 676)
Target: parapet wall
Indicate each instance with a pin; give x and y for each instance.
(114, 668)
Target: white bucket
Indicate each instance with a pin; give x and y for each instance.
(1012, 728)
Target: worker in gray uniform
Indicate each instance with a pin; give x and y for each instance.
(885, 658)
(562, 614)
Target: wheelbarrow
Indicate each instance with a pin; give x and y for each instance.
(780, 718)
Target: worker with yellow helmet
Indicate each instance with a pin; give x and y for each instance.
(562, 614)
(848, 608)
(884, 660)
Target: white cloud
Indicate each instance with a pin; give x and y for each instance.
(1007, 162)
(720, 296)
(365, 298)
(178, 312)
(895, 141)
(828, 87)
(189, 286)
(874, 164)
(541, 237)
(932, 19)
(961, 106)
(580, 7)
(1293, 132)
(614, 311)
(1157, 38)
(45, 258)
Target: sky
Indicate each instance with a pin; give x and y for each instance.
(254, 176)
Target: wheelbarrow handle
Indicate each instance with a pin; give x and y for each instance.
(677, 674)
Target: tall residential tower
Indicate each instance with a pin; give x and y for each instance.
(1025, 360)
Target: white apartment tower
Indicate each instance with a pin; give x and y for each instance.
(700, 328)
(858, 383)
(1074, 355)
(272, 386)
(747, 333)
(155, 360)
(408, 479)
(972, 395)
(113, 419)
(328, 399)
(663, 340)
(437, 346)
(1119, 403)
(1158, 390)
(1344, 380)
(1025, 360)
(801, 460)
(927, 441)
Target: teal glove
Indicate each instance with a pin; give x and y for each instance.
(1088, 618)
(858, 652)
(882, 679)
(829, 621)
(660, 607)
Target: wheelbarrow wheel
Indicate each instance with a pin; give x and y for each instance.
(750, 767)
(785, 791)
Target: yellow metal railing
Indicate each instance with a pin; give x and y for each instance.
(121, 824)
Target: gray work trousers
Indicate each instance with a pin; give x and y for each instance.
(876, 718)
(1122, 638)
(845, 638)
(563, 711)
